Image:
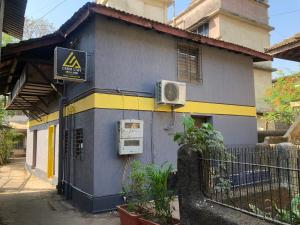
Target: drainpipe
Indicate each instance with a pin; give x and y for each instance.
(60, 184)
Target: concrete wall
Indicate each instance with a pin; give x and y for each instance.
(263, 82)
(242, 33)
(42, 151)
(250, 9)
(195, 12)
(154, 9)
(146, 57)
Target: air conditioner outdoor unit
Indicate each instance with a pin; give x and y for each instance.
(170, 92)
(130, 137)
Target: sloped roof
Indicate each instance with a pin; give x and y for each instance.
(90, 9)
(13, 20)
(287, 49)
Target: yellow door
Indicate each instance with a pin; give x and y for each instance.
(51, 133)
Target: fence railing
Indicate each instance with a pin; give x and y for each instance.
(264, 181)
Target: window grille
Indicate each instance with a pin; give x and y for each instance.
(66, 141)
(189, 62)
(78, 143)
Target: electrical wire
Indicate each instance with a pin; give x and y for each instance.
(286, 13)
(53, 8)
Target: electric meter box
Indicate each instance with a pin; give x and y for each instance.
(130, 137)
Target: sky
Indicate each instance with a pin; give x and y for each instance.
(283, 17)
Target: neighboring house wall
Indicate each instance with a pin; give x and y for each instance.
(152, 9)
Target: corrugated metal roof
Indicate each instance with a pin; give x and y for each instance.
(13, 21)
(288, 41)
(92, 8)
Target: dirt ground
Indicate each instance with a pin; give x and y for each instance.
(27, 200)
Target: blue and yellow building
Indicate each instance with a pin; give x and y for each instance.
(72, 131)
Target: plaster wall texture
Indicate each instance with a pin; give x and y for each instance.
(242, 33)
(262, 81)
(155, 9)
(42, 150)
(141, 58)
(250, 9)
(29, 147)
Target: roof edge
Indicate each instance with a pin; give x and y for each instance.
(92, 8)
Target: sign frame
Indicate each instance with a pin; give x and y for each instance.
(71, 77)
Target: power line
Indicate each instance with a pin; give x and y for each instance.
(286, 13)
(52, 9)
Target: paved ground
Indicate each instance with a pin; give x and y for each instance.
(27, 200)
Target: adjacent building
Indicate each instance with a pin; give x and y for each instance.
(289, 49)
(155, 9)
(73, 138)
(244, 22)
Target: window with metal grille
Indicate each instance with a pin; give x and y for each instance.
(78, 143)
(189, 64)
(66, 141)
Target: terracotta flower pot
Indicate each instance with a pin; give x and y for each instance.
(126, 217)
(148, 222)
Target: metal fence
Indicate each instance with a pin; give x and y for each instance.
(262, 181)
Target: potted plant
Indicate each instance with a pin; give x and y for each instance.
(159, 209)
(135, 195)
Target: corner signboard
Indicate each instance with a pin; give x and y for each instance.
(70, 64)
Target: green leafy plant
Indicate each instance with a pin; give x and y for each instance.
(159, 193)
(291, 215)
(8, 136)
(202, 139)
(135, 191)
(284, 91)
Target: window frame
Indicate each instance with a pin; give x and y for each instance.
(189, 49)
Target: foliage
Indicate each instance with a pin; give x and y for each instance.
(284, 91)
(158, 191)
(136, 192)
(150, 182)
(34, 28)
(291, 215)
(202, 139)
(8, 136)
(6, 39)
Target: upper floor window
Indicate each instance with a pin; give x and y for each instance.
(189, 64)
(203, 29)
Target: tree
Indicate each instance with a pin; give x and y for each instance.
(34, 28)
(6, 39)
(284, 91)
(8, 136)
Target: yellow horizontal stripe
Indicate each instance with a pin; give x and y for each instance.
(45, 119)
(120, 102)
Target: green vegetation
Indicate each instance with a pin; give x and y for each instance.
(290, 216)
(158, 191)
(8, 137)
(202, 139)
(284, 91)
(147, 192)
(135, 192)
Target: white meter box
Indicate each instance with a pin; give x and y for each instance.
(130, 137)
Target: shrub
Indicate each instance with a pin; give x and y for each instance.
(159, 193)
(202, 139)
(135, 191)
